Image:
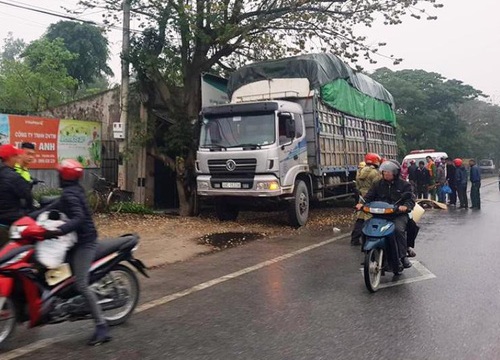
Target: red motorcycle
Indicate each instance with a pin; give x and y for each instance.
(30, 292)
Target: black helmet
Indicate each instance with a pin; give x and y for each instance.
(391, 166)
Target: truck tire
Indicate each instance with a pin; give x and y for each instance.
(225, 211)
(298, 209)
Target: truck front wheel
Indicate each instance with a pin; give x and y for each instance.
(225, 211)
(298, 209)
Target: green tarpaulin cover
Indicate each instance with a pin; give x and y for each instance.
(340, 86)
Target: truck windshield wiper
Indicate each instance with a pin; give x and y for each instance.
(214, 146)
(257, 146)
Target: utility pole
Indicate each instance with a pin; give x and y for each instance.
(124, 95)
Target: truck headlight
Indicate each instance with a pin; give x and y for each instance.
(268, 185)
(203, 185)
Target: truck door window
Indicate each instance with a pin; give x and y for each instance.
(299, 128)
(282, 120)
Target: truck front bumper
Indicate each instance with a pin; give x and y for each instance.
(259, 186)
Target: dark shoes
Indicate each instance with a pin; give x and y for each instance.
(355, 243)
(406, 262)
(101, 335)
(400, 269)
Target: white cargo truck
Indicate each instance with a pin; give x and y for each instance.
(294, 132)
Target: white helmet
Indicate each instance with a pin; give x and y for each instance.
(391, 166)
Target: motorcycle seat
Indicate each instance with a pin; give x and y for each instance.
(14, 252)
(109, 246)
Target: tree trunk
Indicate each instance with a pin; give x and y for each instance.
(184, 209)
(192, 101)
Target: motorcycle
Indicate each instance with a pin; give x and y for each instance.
(30, 292)
(377, 232)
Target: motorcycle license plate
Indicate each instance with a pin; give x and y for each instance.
(231, 185)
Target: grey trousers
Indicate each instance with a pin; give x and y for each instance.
(82, 257)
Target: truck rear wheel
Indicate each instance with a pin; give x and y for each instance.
(225, 211)
(298, 209)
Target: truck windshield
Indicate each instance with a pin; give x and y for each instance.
(226, 131)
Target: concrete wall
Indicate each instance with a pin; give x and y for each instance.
(105, 108)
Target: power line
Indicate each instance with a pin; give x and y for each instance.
(68, 17)
(47, 12)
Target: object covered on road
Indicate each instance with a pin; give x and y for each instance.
(51, 253)
(431, 204)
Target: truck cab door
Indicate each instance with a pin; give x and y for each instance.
(288, 144)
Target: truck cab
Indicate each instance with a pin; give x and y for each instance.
(250, 150)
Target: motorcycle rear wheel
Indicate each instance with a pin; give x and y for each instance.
(7, 320)
(373, 268)
(122, 278)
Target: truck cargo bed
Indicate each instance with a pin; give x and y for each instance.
(337, 142)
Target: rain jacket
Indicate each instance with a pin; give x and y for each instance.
(364, 181)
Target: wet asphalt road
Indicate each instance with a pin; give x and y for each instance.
(313, 305)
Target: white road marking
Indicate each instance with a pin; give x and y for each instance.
(425, 274)
(13, 354)
(205, 285)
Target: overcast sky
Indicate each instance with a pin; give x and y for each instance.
(463, 44)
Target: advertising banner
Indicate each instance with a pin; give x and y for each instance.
(54, 139)
(40, 131)
(80, 140)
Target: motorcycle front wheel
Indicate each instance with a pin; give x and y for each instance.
(120, 284)
(373, 268)
(7, 320)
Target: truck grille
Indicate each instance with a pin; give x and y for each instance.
(232, 166)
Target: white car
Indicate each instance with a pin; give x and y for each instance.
(420, 155)
(487, 166)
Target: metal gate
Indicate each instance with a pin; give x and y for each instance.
(110, 159)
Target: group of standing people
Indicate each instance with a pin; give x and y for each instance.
(444, 178)
(441, 180)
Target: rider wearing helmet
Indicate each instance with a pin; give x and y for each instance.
(390, 189)
(461, 181)
(365, 179)
(74, 204)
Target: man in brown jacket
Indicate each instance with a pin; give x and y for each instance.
(366, 177)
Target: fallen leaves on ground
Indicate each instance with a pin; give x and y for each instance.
(265, 224)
